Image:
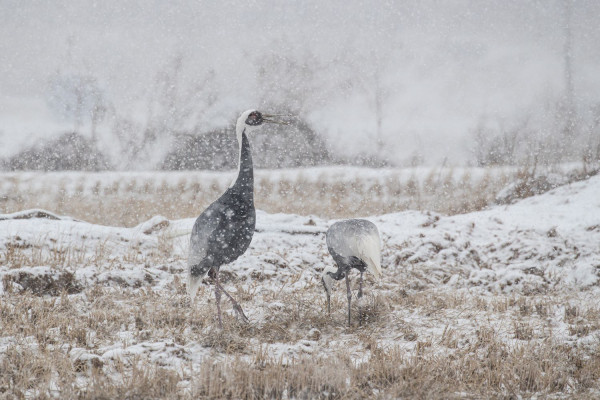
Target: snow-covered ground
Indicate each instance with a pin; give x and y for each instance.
(540, 242)
(441, 274)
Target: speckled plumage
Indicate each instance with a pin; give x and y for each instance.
(223, 232)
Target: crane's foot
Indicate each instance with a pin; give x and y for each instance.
(349, 295)
(236, 307)
(240, 313)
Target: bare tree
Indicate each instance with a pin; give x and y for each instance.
(500, 146)
(591, 150)
(569, 103)
(78, 98)
(175, 107)
(290, 85)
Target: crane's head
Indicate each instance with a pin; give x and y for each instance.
(251, 120)
(327, 282)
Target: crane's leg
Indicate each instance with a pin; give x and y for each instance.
(235, 304)
(360, 316)
(218, 298)
(349, 297)
(360, 285)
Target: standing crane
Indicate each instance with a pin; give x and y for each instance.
(224, 230)
(353, 243)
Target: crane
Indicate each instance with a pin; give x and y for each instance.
(353, 243)
(223, 231)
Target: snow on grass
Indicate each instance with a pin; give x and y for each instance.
(521, 276)
(130, 198)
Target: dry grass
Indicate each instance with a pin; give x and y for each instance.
(449, 366)
(127, 201)
(403, 344)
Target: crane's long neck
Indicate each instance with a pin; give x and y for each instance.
(244, 182)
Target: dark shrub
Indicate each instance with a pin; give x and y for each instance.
(70, 151)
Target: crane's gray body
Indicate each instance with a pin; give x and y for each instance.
(224, 230)
(346, 243)
(353, 243)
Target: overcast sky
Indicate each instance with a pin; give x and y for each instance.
(443, 67)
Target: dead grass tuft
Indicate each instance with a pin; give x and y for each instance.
(456, 363)
(271, 378)
(372, 309)
(142, 381)
(51, 283)
(224, 341)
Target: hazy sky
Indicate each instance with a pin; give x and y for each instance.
(442, 67)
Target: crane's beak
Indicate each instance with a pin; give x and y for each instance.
(275, 119)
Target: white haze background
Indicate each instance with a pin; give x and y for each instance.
(440, 69)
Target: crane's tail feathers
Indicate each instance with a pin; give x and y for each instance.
(193, 284)
(371, 254)
(374, 267)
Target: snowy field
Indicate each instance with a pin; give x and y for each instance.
(497, 303)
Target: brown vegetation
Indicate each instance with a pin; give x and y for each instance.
(405, 343)
(128, 201)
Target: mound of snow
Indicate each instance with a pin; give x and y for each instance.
(539, 242)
